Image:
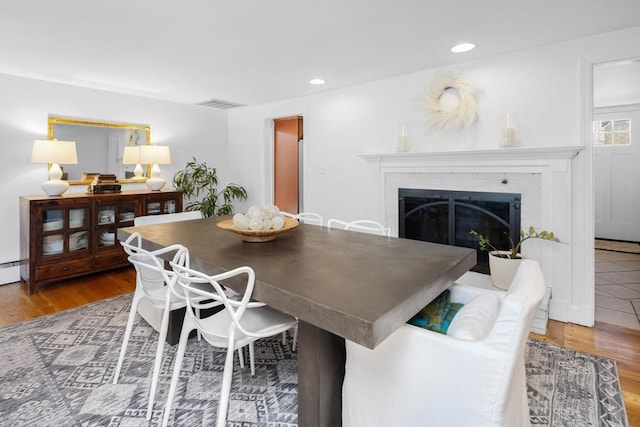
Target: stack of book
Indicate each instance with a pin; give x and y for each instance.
(104, 183)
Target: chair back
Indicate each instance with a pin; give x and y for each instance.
(151, 276)
(160, 219)
(305, 217)
(361, 225)
(191, 284)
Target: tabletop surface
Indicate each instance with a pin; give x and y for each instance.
(359, 286)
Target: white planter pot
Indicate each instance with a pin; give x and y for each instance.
(502, 270)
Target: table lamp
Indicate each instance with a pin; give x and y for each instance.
(155, 155)
(131, 156)
(54, 152)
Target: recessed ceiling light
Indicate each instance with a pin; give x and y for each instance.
(463, 47)
(317, 82)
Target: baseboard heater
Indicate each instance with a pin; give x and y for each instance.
(10, 264)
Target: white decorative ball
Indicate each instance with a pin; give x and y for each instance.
(237, 218)
(242, 223)
(277, 222)
(255, 224)
(255, 212)
(266, 224)
(270, 211)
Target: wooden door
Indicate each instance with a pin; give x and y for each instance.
(617, 179)
(287, 134)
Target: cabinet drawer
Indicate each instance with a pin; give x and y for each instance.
(113, 259)
(63, 268)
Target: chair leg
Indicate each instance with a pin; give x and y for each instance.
(198, 331)
(227, 376)
(294, 346)
(187, 327)
(127, 335)
(252, 361)
(164, 326)
(241, 357)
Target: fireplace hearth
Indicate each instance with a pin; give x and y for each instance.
(445, 216)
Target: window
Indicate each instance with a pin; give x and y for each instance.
(612, 132)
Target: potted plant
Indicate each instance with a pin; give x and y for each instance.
(503, 264)
(198, 178)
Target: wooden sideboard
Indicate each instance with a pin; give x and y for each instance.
(76, 234)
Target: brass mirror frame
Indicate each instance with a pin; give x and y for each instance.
(53, 120)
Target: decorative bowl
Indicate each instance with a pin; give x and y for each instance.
(258, 236)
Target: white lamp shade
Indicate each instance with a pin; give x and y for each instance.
(155, 155)
(60, 152)
(54, 152)
(131, 155)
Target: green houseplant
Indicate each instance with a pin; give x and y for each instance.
(514, 248)
(197, 178)
(503, 264)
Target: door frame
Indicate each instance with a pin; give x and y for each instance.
(582, 310)
(269, 146)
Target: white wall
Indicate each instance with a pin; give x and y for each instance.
(25, 105)
(542, 85)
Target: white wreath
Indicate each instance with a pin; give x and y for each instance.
(457, 118)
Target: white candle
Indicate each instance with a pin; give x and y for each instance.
(403, 144)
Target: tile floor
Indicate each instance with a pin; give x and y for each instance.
(617, 295)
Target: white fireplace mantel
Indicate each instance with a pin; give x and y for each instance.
(514, 157)
(543, 177)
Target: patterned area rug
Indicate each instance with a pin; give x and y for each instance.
(569, 388)
(57, 370)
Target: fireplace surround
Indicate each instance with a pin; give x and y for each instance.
(547, 179)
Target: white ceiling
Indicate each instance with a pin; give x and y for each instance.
(252, 52)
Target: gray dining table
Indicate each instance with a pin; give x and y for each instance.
(341, 285)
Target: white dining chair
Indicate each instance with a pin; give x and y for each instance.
(305, 217)
(361, 225)
(153, 284)
(240, 323)
(159, 219)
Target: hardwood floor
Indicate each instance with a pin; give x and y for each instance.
(621, 344)
(17, 306)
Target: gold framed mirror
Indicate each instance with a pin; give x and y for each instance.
(100, 146)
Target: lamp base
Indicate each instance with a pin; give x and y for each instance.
(55, 187)
(138, 172)
(155, 183)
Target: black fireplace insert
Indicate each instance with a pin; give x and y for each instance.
(444, 216)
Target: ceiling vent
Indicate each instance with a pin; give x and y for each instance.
(218, 103)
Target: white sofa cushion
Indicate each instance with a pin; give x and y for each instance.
(474, 321)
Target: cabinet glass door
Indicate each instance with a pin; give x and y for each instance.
(118, 213)
(107, 225)
(78, 229)
(162, 204)
(65, 230)
(126, 214)
(53, 232)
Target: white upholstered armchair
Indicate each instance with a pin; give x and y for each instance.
(473, 376)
